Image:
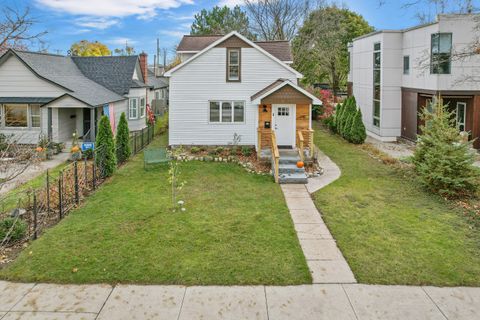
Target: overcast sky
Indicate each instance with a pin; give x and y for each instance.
(140, 22)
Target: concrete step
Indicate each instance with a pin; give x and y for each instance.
(290, 168)
(288, 160)
(294, 178)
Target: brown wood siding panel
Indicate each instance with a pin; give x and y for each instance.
(409, 115)
(266, 139)
(233, 42)
(476, 121)
(287, 94)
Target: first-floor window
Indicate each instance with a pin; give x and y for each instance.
(142, 107)
(376, 113)
(157, 95)
(227, 111)
(35, 115)
(133, 108)
(16, 115)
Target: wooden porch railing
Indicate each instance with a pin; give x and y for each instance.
(259, 143)
(275, 157)
(300, 145)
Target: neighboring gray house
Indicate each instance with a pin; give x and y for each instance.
(58, 95)
(158, 94)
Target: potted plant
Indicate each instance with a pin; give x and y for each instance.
(75, 151)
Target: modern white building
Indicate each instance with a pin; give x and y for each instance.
(394, 73)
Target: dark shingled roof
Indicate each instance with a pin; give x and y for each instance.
(271, 86)
(278, 48)
(156, 82)
(114, 73)
(64, 72)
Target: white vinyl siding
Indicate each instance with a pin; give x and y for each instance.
(203, 80)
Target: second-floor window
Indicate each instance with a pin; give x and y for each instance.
(233, 64)
(441, 52)
(406, 64)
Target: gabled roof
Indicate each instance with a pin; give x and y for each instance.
(195, 43)
(114, 73)
(220, 40)
(156, 82)
(62, 71)
(277, 85)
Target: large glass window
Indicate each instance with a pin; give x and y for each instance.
(133, 108)
(227, 111)
(16, 115)
(233, 64)
(461, 114)
(377, 65)
(441, 52)
(35, 115)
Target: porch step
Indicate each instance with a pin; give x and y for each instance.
(289, 160)
(293, 178)
(290, 168)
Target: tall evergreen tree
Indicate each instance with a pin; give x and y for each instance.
(443, 160)
(122, 140)
(105, 157)
(357, 134)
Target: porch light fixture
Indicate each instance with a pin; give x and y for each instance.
(265, 108)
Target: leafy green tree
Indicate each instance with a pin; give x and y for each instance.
(357, 134)
(85, 48)
(122, 140)
(443, 159)
(320, 49)
(221, 20)
(105, 158)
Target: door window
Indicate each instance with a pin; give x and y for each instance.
(461, 114)
(283, 111)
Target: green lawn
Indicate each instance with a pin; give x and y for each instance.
(391, 231)
(236, 230)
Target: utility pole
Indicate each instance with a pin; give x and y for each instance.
(158, 57)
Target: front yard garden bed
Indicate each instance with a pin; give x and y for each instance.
(236, 230)
(390, 230)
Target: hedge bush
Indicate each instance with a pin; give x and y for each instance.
(122, 140)
(106, 158)
(442, 159)
(18, 232)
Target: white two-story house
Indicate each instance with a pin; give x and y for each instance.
(229, 85)
(395, 73)
(55, 96)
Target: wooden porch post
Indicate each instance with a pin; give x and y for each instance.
(259, 142)
(92, 124)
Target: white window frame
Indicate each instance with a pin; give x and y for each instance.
(229, 64)
(30, 116)
(130, 109)
(464, 106)
(142, 107)
(232, 103)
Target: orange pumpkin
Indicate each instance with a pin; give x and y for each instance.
(300, 164)
(75, 149)
(39, 149)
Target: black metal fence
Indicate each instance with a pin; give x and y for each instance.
(60, 192)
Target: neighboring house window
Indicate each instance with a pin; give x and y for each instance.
(16, 115)
(377, 64)
(227, 111)
(157, 95)
(461, 115)
(233, 64)
(406, 64)
(35, 115)
(133, 108)
(441, 51)
(142, 107)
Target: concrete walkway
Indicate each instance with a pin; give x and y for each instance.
(315, 302)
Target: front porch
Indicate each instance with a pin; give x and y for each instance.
(284, 122)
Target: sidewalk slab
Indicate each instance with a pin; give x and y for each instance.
(391, 302)
(330, 271)
(215, 302)
(11, 293)
(305, 216)
(320, 250)
(300, 203)
(22, 315)
(316, 231)
(147, 302)
(64, 298)
(308, 302)
(456, 303)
